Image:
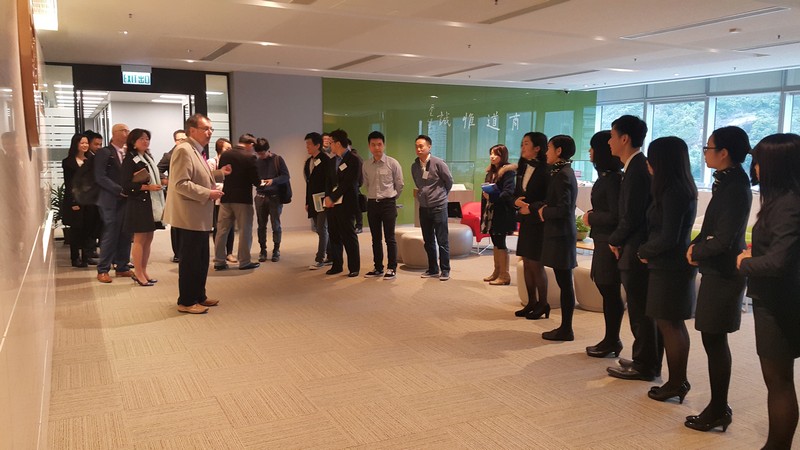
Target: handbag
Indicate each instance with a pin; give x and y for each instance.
(284, 190)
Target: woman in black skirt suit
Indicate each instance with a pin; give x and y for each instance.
(773, 268)
(80, 218)
(714, 250)
(531, 189)
(145, 204)
(670, 286)
(603, 219)
(558, 215)
(497, 212)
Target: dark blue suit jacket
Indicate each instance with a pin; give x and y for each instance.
(107, 174)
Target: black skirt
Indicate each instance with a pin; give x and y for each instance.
(671, 294)
(771, 340)
(559, 252)
(719, 303)
(604, 264)
(529, 244)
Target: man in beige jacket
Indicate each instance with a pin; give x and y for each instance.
(190, 209)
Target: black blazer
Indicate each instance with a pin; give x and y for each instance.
(721, 238)
(634, 199)
(238, 186)
(503, 219)
(68, 215)
(535, 192)
(316, 180)
(604, 215)
(343, 183)
(669, 230)
(559, 214)
(107, 174)
(139, 206)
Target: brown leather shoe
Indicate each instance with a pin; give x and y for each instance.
(209, 302)
(194, 309)
(104, 277)
(126, 274)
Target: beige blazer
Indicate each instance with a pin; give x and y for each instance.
(190, 183)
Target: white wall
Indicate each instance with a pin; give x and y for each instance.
(160, 119)
(283, 109)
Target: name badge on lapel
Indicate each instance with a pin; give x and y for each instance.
(137, 159)
(342, 166)
(316, 162)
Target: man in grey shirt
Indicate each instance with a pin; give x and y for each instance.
(433, 180)
(383, 181)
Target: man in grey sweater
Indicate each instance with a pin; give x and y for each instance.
(433, 180)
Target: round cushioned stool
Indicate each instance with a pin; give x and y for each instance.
(586, 292)
(460, 240)
(398, 233)
(412, 247)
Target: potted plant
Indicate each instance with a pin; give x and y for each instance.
(582, 228)
(56, 204)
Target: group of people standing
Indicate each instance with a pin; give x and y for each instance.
(643, 211)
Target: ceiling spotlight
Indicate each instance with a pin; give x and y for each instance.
(434, 96)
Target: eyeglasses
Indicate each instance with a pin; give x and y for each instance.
(205, 129)
(707, 148)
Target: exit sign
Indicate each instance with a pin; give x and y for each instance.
(138, 78)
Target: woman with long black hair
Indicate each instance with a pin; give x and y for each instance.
(773, 268)
(558, 215)
(497, 211)
(531, 189)
(670, 285)
(81, 219)
(603, 219)
(714, 250)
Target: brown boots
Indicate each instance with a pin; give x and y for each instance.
(500, 276)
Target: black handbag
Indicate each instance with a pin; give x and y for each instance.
(284, 190)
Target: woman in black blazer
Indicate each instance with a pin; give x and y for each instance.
(670, 286)
(145, 204)
(714, 250)
(80, 218)
(773, 268)
(497, 211)
(603, 219)
(558, 215)
(531, 189)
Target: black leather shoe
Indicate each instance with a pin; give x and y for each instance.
(629, 373)
(664, 393)
(352, 274)
(249, 266)
(624, 362)
(602, 349)
(221, 267)
(559, 334)
(333, 271)
(262, 256)
(276, 256)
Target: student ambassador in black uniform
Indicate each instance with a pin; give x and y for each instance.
(145, 201)
(603, 219)
(671, 287)
(343, 185)
(714, 250)
(773, 268)
(558, 215)
(531, 189)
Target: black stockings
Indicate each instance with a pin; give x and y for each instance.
(613, 310)
(564, 280)
(719, 372)
(676, 346)
(781, 401)
(535, 281)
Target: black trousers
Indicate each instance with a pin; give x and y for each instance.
(193, 266)
(342, 233)
(382, 217)
(648, 351)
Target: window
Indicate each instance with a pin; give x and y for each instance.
(610, 113)
(794, 123)
(684, 120)
(517, 124)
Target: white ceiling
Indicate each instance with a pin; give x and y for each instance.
(552, 44)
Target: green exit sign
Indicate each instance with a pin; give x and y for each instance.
(137, 78)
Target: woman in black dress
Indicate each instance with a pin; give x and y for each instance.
(80, 218)
(714, 250)
(603, 219)
(531, 189)
(145, 203)
(773, 268)
(670, 286)
(558, 215)
(497, 211)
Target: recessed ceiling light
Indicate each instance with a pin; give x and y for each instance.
(164, 100)
(125, 33)
(676, 74)
(63, 86)
(434, 96)
(599, 38)
(190, 61)
(172, 96)
(213, 93)
(615, 69)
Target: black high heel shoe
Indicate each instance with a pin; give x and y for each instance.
(661, 394)
(152, 280)
(602, 349)
(524, 311)
(539, 309)
(136, 280)
(700, 424)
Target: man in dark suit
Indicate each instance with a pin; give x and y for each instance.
(627, 137)
(115, 245)
(341, 202)
(315, 171)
